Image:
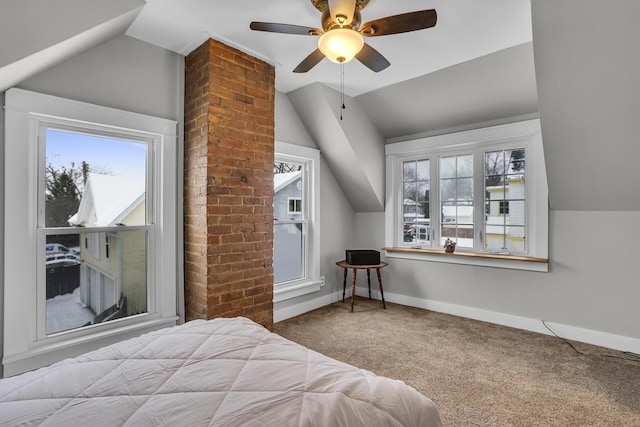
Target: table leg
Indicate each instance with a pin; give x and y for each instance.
(353, 288)
(381, 291)
(344, 283)
(369, 281)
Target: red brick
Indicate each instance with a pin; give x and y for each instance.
(229, 140)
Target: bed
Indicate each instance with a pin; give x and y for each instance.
(221, 372)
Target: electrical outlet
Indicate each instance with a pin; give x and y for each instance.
(321, 281)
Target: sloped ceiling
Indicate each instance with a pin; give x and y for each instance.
(43, 34)
(487, 89)
(352, 146)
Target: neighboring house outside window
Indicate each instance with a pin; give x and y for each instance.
(104, 183)
(117, 276)
(485, 190)
(296, 259)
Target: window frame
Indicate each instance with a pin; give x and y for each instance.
(525, 135)
(26, 112)
(311, 281)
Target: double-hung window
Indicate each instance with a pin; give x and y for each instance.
(91, 220)
(484, 190)
(296, 207)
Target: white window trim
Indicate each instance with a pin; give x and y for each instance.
(25, 111)
(526, 134)
(312, 281)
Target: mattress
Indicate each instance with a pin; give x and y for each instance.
(221, 372)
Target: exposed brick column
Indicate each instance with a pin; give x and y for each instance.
(228, 187)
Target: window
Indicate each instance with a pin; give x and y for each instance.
(296, 252)
(101, 183)
(485, 190)
(107, 247)
(295, 204)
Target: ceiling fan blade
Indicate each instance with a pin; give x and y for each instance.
(372, 58)
(402, 23)
(309, 62)
(272, 27)
(345, 8)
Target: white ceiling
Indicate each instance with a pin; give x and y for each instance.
(466, 29)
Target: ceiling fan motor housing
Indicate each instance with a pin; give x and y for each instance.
(329, 24)
(323, 5)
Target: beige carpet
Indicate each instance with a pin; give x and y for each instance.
(478, 374)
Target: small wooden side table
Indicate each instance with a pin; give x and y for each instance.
(346, 266)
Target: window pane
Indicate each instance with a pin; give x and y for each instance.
(464, 189)
(494, 163)
(410, 192)
(505, 197)
(515, 187)
(448, 213)
(495, 237)
(287, 185)
(93, 180)
(448, 232)
(447, 167)
(409, 171)
(515, 239)
(516, 161)
(423, 170)
(422, 194)
(516, 213)
(287, 252)
(448, 190)
(84, 287)
(465, 166)
(416, 189)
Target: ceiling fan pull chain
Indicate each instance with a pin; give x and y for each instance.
(342, 88)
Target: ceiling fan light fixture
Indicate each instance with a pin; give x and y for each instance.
(340, 45)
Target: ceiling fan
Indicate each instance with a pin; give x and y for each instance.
(341, 36)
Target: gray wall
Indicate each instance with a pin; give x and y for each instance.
(588, 68)
(584, 288)
(122, 73)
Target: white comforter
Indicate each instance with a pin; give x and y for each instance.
(222, 372)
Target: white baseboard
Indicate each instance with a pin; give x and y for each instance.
(280, 314)
(616, 342)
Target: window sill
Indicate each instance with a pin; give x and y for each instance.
(285, 291)
(514, 262)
